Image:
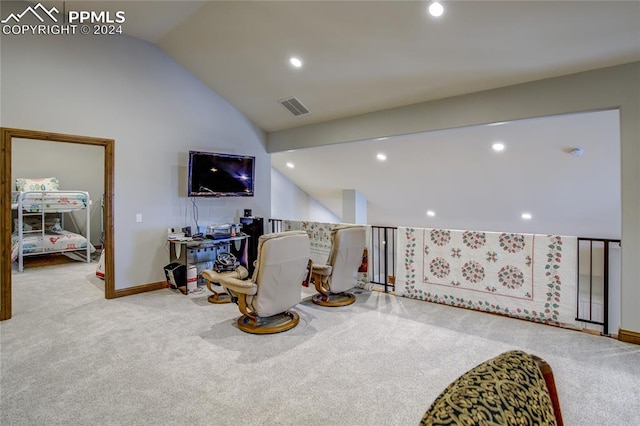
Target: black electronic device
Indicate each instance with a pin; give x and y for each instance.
(247, 212)
(254, 228)
(176, 275)
(220, 175)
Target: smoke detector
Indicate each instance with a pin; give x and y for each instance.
(577, 152)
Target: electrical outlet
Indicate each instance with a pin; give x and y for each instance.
(138, 217)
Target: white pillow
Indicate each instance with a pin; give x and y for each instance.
(37, 184)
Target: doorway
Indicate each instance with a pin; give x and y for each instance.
(6, 139)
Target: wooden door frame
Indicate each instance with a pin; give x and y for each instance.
(6, 136)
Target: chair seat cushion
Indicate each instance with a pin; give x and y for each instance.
(324, 270)
(506, 390)
(247, 287)
(215, 277)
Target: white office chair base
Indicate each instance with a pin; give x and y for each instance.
(339, 299)
(275, 324)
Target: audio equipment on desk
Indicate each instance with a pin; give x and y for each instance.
(174, 234)
(217, 232)
(253, 227)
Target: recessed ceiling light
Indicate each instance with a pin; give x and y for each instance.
(381, 139)
(498, 146)
(290, 165)
(436, 9)
(499, 123)
(381, 156)
(431, 213)
(526, 216)
(296, 62)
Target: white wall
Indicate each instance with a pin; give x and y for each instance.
(290, 202)
(77, 167)
(319, 213)
(129, 90)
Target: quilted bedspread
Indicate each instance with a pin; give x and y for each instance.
(320, 242)
(528, 276)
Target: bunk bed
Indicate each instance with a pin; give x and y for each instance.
(39, 221)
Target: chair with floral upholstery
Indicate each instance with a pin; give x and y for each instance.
(514, 388)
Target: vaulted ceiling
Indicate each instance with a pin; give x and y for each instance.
(363, 56)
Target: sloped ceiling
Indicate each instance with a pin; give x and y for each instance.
(363, 56)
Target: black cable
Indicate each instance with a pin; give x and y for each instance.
(195, 214)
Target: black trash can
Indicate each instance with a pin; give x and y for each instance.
(176, 275)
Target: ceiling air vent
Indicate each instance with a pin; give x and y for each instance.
(294, 106)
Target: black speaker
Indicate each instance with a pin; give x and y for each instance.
(254, 228)
(247, 212)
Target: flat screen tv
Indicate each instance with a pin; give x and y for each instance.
(220, 175)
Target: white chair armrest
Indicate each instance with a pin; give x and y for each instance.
(239, 286)
(321, 269)
(241, 272)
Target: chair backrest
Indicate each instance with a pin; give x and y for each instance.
(493, 384)
(347, 245)
(281, 267)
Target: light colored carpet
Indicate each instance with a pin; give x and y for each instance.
(70, 357)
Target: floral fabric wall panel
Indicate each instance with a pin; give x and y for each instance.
(320, 240)
(319, 237)
(527, 276)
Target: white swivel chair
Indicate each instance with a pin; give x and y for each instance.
(213, 278)
(341, 271)
(276, 286)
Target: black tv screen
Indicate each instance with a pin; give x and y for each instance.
(220, 175)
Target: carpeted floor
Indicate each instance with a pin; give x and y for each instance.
(70, 357)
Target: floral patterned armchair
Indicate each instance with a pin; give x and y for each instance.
(514, 388)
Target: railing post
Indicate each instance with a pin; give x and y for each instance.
(605, 272)
(386, 262)
(605, 283)
(591, 280)
(382, 256)
(276, 225)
